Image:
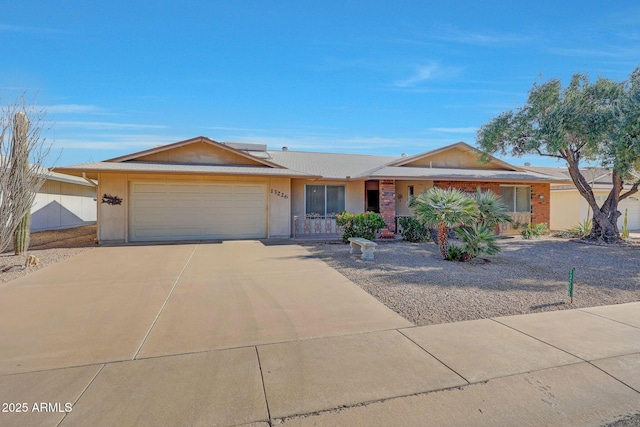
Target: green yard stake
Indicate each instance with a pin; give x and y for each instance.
(571, 274)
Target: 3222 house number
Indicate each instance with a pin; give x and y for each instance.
(279, 194)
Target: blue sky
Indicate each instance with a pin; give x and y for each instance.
(343, 76)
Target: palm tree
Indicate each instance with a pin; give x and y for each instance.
(478, 238)
(444, 209)
(492, 210)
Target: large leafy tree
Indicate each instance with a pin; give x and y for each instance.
(585, 121)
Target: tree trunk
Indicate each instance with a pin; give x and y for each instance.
(605, 221)
(605, 218)
(443, 242)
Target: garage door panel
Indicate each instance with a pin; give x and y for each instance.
(149, 204)
(146, 187)
(185, 211)
(217, 189)
(632, 205)
(150, 232)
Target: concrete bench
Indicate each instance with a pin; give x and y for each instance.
(363, 246)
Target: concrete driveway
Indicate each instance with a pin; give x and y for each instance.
(123, 303)
(239, 333)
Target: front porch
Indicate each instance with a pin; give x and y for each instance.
(528, 203)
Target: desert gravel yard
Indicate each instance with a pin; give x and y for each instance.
(527, 276)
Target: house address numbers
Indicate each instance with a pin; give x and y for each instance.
(279, 193)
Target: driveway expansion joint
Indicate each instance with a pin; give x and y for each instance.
(611, 375)
(583, 310)
(83, 392)
(264, 389)
(538, 339)
(144, 340)
(440, 361)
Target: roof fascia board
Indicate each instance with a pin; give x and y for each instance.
(83, 171)
(457, 178)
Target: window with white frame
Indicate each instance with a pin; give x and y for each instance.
(324, 200)
(517, 198)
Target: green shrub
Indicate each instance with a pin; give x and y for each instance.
(581, 229)
(478, 239)
(456, 253)
(413, 230)
(365, 225)
(534, 231)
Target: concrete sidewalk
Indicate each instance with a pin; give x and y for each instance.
(313, 355)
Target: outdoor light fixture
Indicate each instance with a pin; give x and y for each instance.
(541, 196)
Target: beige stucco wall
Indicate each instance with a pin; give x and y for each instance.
(199, 153)
(354, 195)
(402, 190)
(568, 208)
(279, 207)
(113, 219)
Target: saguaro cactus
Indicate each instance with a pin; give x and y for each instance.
(20, 171)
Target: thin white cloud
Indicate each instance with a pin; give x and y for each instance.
(114, 142)
(604, 52)
(72, 109)
(105, 125)
(490, 38)
(430, 71)
(421, 74)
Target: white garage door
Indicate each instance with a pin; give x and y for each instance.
(632, 204)
(185, 211)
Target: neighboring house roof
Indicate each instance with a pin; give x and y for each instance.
(55, 176)
(61, 177)
(595, 175)
(598, 178)
(203, 155)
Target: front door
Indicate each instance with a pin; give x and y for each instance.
(372, 196)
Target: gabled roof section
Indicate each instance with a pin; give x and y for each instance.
(200, 150)
(455, 156)
(330, 165)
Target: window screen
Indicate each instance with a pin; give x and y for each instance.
(335, 199)
(325, 199)
(523, 199)
(315, 199)
(517, 199)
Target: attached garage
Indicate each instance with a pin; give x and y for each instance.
(632, 205)
(162, 211)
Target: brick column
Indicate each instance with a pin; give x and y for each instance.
(388, 207)
(540, 203)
